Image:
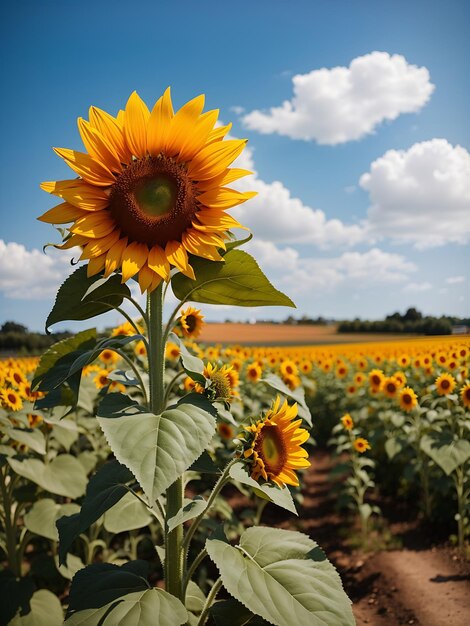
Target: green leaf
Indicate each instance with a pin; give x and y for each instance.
(15, 594)
(236, 281)
(159, 448)
(281, 576)
(33, 438)
(204, 465)
(142, 608)
(74, 565)
(393, 446)
(189, 510)
(118, 405)
(64, 475)
(233, 613)
(192, 365)
(231, 245)
(445, 451)
(88, 356)
(56, 352)
(80, 297)
(298, 395)
(280, 497)
(127, 514)
(195, 599)
(46, 610)
(104, 490)
(41, 518)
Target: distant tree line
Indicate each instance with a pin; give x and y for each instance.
(413, 321)
(16, 338)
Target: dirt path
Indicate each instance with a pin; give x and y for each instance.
(424, 587)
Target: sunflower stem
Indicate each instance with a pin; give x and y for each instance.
(174, 494)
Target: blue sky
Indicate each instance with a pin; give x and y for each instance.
(411, 249)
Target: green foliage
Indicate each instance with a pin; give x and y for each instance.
(81, 298)
(63, 476)
(237, 280)
(46, 610)
(273, 493)
(279, 575)
(298, 395)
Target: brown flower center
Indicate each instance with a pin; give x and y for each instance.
(271, 447)
(153, 201)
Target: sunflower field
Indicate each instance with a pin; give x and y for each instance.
(148, 479)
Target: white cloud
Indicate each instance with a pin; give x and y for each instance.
(420, 195)
(31, 274)
(341, 104)
(416, 287)
(300, 274)
(455, 280)
(238, 110)
(275, 215)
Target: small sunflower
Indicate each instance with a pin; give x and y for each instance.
(407, 399)
(253, 372)
(288, 368)
(445, 384)
(152, 187)
(125, 329)
(191, 322)
(347, 422)
(140, 349)
(341, 370)
(220, 382)
(465, 395)
(101, 379)
(361, 445)
(17, 378)
(225, 430)
(272, 445)
(390, 386)
(109, 357)
(292, 381)
(400, 377)
(11, 399)
(376, 378)
(172, 351)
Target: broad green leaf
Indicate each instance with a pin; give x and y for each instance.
(88, 356)
(446, 451)
(297, 394)
(143, 608)
(273, 493)
(237, 280)
(74, 565)
(118, 405)
(61, 349)
(192, 365)
(204, 465)
(159, 448)
(233, 613)
(282, 576)
(127, 514)
(63, 476)
(195, 599)
(236, 243)
(80, 297)
(104, 490)
(189, 510)
(46, 610)
(65, 432)
(33, 438)
(41, 518)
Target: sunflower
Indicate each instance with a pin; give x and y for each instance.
(140, 349)
(152, 188)
(172, 351)
(16, 378)
(407, 399)
(400, 377)
(288, 368)
(445, 384)
(254, 372)
(220, 383)
(125, 329)
(376, 378)
(390, 386)
(11, 399)
(225, 430)
(272, 445)
(191, 322)
(109, 357)
(465, 395)
(101, 379)
(347, 422)
(361, 445)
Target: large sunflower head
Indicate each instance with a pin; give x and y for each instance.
(272, 445)
(152, 187)
(445, 384)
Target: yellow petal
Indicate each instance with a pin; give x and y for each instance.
(114, 257)
(86, 167)
(133, 258)
(79, 193)
(159, 124)
(177, 256)
(155, 282)
(215, 158)
(97, 146)
(158, 262)
(222, 180)
(95, 265)
(219, 133)
(96, 247)
(62, 214)
(224, 198)
(74, 240)
(135, 125)
(112, 130)
(146, 277)
(195, 246)
(94, 225)
(216, 220)
(197, 136)
(182, 125)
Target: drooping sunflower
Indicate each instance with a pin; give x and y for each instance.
(445, 384)
(152, 187)
(273, 445)
(191, 322)
(407, 399)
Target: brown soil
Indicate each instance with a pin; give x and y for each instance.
(285, 334)
(429, 586)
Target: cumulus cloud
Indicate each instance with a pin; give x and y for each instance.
(299, 274)
(31, 274)
(421, 195)
(333, 106)
(455, 280)
(275, 215)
